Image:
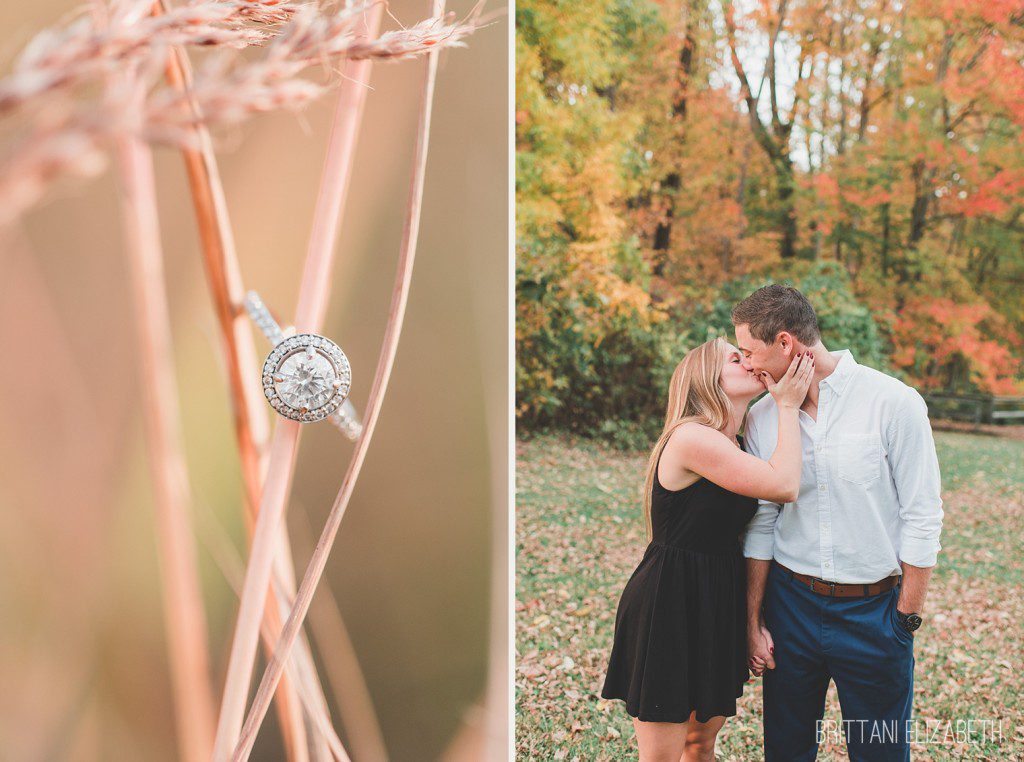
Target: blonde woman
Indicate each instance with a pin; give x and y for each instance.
(679, 658)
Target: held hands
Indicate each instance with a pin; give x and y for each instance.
(760, 650)
(791, 389)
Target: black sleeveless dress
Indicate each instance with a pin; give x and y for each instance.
(681, 627)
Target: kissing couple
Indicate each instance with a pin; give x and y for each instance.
(799, 551)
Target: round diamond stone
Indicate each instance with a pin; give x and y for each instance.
(306, 377)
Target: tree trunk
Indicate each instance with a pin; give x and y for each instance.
(886, 232)
(787, 205)
(673, 182)
(919, 210)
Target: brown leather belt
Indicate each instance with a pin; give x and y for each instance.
(843, 590)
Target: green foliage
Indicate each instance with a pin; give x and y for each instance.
(580, 366)
(843, 321)
(616, 390)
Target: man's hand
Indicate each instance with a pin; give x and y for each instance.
(760, 649)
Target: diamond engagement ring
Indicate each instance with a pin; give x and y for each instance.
(306, 377)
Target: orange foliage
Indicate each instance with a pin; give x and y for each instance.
(932, 335)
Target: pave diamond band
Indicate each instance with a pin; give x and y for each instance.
(306, 377)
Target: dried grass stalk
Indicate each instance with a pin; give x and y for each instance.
(66, 140)
(251, 430)
(252, 433)
(313, 293)
(389, 348)
(83, 49)
(283, 449)
(229, 94)
(223, 552)
(75, 139)
(183, 606)
(341, 665)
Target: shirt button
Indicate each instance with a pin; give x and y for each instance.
(818, 448)
(828, 563)
(821, 487)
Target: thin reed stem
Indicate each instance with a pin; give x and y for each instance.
(224, 554)
(313, 294)
(341, 664)
(252, 433)
(283, 450)
(251, 429)
(183, 607)
(389, 348)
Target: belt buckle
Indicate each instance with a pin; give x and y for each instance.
(831, 586)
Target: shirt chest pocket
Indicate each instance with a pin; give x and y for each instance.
(859, 458)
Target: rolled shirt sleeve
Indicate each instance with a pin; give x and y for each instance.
(759, 536)
(915, 472)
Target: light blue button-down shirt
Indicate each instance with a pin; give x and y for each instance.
(869, 484)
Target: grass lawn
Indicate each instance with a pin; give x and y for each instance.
(580, 533)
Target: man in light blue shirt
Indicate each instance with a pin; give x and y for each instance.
(837, 579)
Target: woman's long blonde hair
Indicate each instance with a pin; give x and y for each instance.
(694, 394)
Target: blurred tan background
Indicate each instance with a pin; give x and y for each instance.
(82, 646)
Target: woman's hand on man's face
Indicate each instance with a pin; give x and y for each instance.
(791, 389)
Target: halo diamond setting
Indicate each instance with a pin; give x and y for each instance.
(306, 377)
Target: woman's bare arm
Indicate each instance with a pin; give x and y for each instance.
(710, 454)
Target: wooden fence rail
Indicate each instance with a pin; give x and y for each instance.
(976, 408)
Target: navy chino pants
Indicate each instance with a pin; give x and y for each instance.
(858, 643)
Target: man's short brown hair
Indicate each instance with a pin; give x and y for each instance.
(776, 308)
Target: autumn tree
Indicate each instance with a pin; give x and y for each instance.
(672, 153)
(585, 320)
